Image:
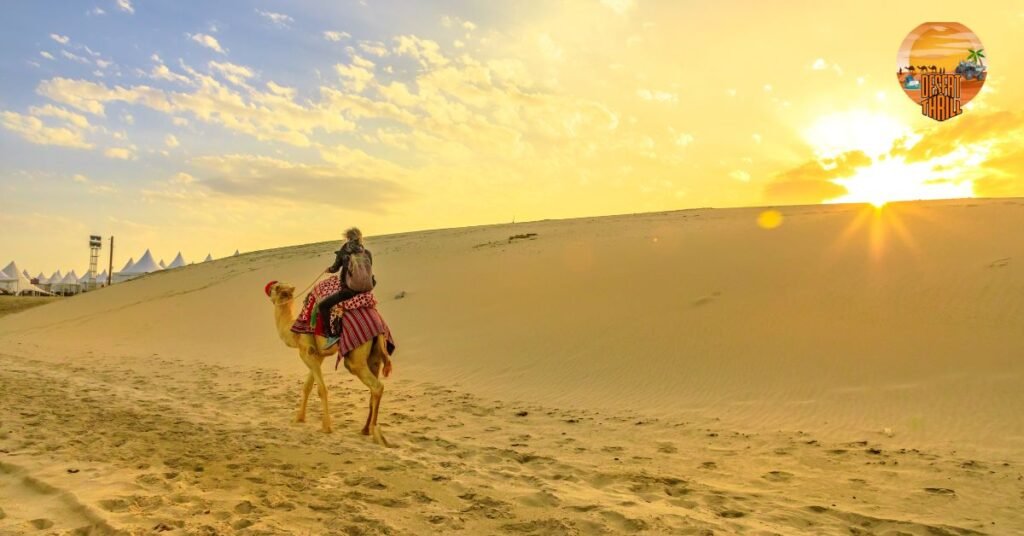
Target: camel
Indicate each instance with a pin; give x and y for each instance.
(365, 362)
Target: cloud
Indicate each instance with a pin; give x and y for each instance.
(740, 175)
(46, 55)
(96, 11)
(33, 130)
(811, 182)
(207, 41)
(336, 36)
(427, 52)
(49, 110)
(161, 72)
(374, 48)
(74, 57)
(657, 96)
(355, 76)
(125, 5)
(171, 141)
(355, 187)
(619, 6)
(278, 19)
(62, 39)
(236, 74)
(119, 153)
(684, 140)
(93, 187)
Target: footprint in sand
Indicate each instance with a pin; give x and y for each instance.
(941, 491)
(778, 476)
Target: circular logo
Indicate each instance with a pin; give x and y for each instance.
(941, 66)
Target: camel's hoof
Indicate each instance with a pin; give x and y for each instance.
(326, 429)
(300, 419)
(387, 369)
(365, 431)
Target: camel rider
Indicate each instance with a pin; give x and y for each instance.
(353, 246)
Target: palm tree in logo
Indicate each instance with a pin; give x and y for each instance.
(976, 55)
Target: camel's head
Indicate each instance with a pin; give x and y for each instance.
(280, 293)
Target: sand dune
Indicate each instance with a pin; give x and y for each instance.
(849, 372)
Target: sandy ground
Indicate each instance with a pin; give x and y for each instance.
(849, 372)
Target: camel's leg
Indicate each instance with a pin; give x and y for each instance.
(316, 361)
(306, 389)
(369, 415)
(357, 362)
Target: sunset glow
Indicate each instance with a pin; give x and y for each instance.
(210, 127)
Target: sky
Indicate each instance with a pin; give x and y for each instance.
(206, 127)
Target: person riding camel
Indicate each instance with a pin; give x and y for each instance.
(355, 264)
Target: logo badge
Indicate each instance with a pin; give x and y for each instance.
(941, 66)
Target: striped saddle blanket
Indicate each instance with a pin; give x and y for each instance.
(360, 320)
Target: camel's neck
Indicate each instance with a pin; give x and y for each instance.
(283, 320)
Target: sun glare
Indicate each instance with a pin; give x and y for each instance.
(893, 179)
(856, 130)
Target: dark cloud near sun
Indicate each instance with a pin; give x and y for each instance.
(812, 183)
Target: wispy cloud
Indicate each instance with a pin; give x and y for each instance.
(120, 153)
(125, 5)
(336, 36)
(62, 39)
(278, 19)
(207, 41)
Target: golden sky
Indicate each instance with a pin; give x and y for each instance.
(212, 127)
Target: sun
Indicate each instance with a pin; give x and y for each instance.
(890, 177)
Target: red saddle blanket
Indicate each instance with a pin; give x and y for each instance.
(360, 320)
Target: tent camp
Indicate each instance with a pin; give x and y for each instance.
(101, 280)
(67, 286)
(14, 281)
(208, 258)
(178, 262)
(161, 264)
(236, 253)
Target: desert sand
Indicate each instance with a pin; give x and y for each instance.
(851, 371)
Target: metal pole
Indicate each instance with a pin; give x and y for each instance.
(110, 271)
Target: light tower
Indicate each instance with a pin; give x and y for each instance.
(95, 243)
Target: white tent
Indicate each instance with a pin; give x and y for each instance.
(161, 264)
(178, 262)
(208, 258)
(101, 279)
(15, 281)
(41, 279)
(25, 286)
(67, 285)
(125, 273)
(236, 253)
(144, 266)
(26, 274)
(8, 283)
